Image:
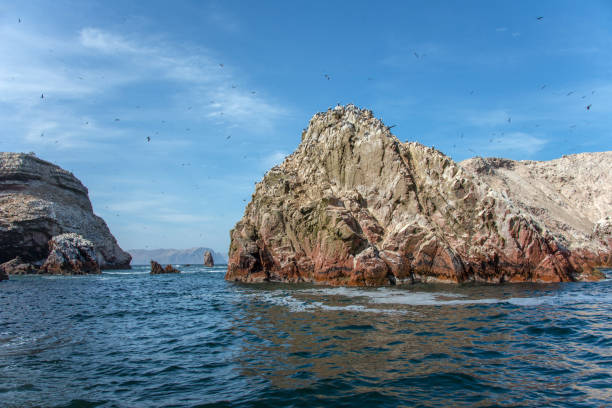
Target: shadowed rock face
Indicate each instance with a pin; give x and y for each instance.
(208, 259)
(354, 206)
(17, 266)
(38, 201)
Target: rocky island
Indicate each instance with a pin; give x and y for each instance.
(208, 259)
(355, 206)
(157, 269)
(47, 223)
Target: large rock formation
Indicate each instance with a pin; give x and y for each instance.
(208, 259)
(70, 254)
(38, 201)
(354, 206)
(157, 269)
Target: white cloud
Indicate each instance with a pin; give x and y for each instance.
(106, 42)
(515, 142)
(489, 118)
(273, 159)
(72, 72)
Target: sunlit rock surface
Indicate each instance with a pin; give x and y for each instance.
(355, 206)
(38, 201)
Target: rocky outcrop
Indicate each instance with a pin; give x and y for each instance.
(17, 266)
(570, 197)
(208, 259)
(157, 269)
(354, 206)
(70, 254)
(3, 275)
(38, 201)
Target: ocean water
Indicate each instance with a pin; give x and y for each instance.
(129, 339)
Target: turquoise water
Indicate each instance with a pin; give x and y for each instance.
(129, 339)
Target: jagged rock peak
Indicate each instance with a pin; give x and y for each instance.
(352, 205)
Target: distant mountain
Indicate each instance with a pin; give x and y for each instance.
(175, 256)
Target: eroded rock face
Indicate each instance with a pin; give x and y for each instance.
(70, 254)
(17, 266)
(354, 206)
(38, 201)
(157, 269)
(208, 259)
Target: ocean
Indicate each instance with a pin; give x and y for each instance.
(130, 339)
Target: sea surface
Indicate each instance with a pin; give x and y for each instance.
(130, 339)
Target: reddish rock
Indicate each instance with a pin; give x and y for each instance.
(157, 269)
(354, 206)
(70, 254)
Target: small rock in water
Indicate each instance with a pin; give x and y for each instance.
(17, 266)
(156, 269)
(208, 259)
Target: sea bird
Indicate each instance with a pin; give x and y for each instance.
(589, 107)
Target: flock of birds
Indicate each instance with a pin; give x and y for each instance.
(328, 77)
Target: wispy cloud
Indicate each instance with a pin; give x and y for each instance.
(516, 142)
(46, 81)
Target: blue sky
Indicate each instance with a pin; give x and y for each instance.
(447, 74)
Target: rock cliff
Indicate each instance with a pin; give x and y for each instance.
(38, 201)
(354, 206)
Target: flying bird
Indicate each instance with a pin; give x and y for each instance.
(253, 92)
(416, 55)
(117, 119)
(589, 106)
(327, 77)
(228, 138)
(42, 96)
(221, 65)
(20, 20)
(509, 120)
(539, 18)
(543, 86)
(148, 138)
(569, 93)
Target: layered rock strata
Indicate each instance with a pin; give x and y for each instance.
(355, 206)
(38, 201)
